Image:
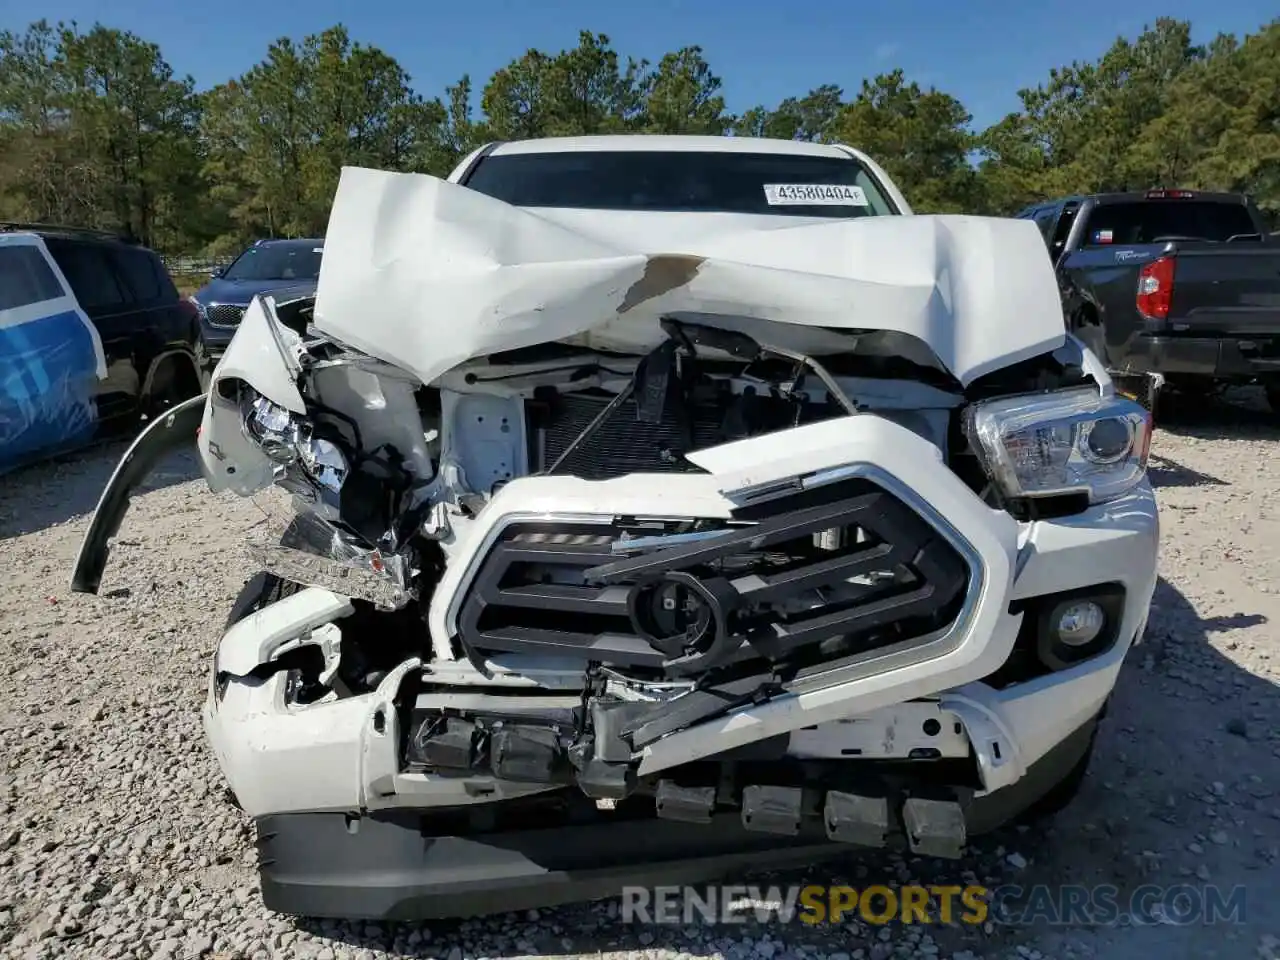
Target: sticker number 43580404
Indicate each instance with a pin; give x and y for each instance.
(824, 194)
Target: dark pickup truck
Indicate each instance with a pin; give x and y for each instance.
(1181, 284)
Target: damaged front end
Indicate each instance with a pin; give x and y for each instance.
(689, 543)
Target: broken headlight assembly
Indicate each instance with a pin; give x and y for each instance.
(312, 543)
(1066, 443)
(288, 440)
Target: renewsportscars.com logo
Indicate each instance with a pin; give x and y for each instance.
(1065, 904)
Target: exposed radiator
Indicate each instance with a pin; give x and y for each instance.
(624, 444)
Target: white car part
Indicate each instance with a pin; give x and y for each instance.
(1070, 441)
(265, 634)
(260, 355)
(279, 758)
(457, 275)
(865, 445)
(904, 731)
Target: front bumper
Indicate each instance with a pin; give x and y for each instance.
(304, 770)
(345, 755)
(397, 865)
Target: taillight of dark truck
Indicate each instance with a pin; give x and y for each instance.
(1155, 288)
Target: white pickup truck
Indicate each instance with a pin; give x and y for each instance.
(688, 484)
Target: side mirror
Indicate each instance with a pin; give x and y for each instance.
(215, 274)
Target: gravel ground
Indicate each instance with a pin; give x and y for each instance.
(116, 840)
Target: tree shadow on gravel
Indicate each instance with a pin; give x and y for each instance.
(1183, 792)
(47, 494)
(1185, 752)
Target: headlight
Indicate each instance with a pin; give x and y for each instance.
(273, 428)
(324, 463)
(287, 439)
(1070, 441)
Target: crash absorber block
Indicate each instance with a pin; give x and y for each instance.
(526, 753)
(772, 809)
(448, 743)
(601, 780)
(688, 804)
(853, 819)
(935, 828)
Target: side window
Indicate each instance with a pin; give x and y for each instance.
(89, 272)
(1058, 242)
(138, 268)
(1044, 220)
(25, 278)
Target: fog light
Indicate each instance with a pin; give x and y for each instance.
(1079, 622)
(1077, 625)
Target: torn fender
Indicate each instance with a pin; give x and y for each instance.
(162, 436)
(264, 355)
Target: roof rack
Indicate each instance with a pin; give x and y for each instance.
(14, 226)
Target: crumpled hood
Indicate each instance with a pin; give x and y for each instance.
(427, 274)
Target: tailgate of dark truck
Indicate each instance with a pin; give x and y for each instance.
(1223, 318)
(1176, 283)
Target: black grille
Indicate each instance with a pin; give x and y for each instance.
(846, 570)
(224, 314)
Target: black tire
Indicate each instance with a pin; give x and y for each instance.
(262, 590)
(1138, 388)
(178, 379)
(1273, 396)
(1157, 404)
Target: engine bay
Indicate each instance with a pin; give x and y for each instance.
(570, 411)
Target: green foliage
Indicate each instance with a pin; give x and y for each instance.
(96, 129)
(1155, 112)
(921, 137)
(275, 140)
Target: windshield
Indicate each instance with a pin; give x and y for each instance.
(294, 261)
(1150, 221)
(684, 181)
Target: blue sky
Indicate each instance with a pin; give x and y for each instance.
(981, 51)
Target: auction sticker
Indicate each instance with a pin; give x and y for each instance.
(826, 194)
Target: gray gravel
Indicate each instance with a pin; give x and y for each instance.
(116, 839)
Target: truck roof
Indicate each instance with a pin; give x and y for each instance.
(1136, 196)
(62, 231)
(803, 151)
(1155, 194)
(672, 143)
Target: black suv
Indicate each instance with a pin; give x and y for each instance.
(148, 331)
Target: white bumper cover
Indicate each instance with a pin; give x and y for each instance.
(344, 755)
